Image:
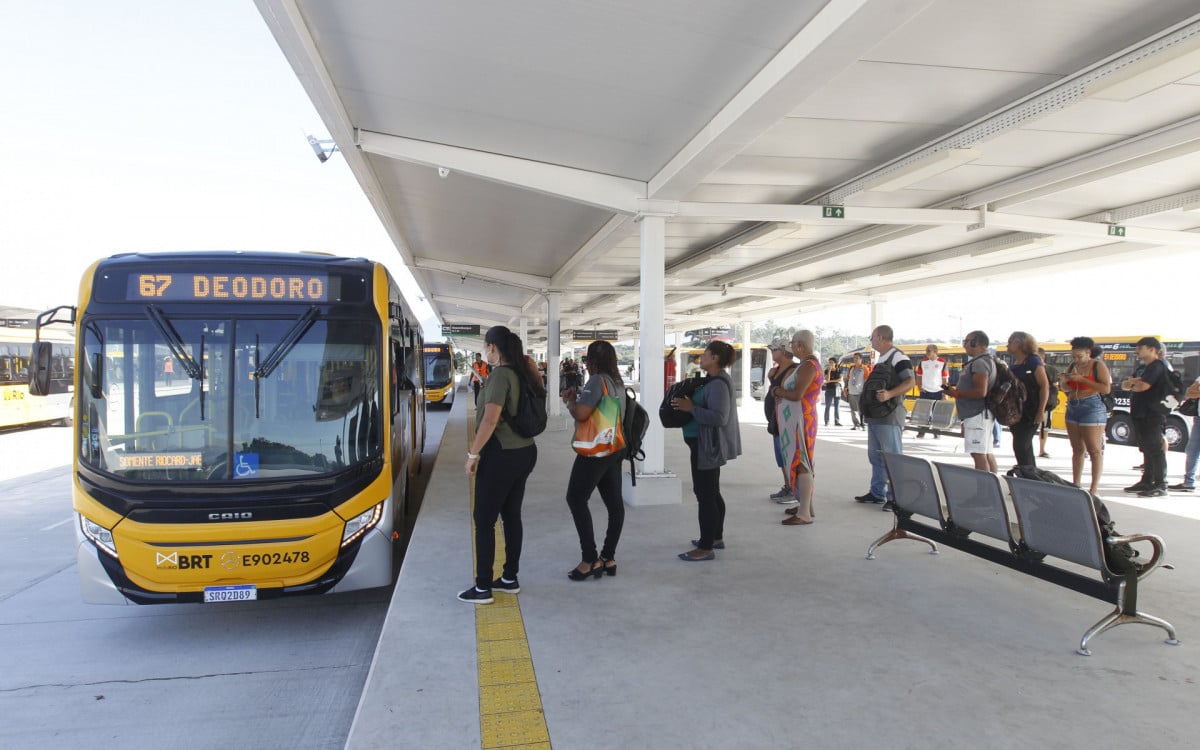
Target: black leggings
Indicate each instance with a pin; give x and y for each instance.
(499, 490)
(1022, 442)
(586, 475)
(706, 483)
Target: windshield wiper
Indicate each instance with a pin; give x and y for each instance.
(175, 343)
(285, 345)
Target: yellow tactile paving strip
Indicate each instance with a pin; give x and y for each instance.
(510, 706)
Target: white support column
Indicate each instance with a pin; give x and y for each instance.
(637, 357)
(524, 334)
(747, 361)
(877, 311)
(553, 356)
(655, 485)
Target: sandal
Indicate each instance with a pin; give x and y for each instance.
(795, 521)
(609, 566)
(597, 570)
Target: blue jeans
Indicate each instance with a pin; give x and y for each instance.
(881, 438)
(1193, 454)
(831, 399)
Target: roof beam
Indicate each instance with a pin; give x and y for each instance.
(484, 273)
(836, 37)
(618, 194)
(467, 303)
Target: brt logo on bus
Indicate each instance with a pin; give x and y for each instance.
(176, 561)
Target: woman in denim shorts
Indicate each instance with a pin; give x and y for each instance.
(1084, 382)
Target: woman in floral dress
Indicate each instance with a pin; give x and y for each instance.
(796, 413)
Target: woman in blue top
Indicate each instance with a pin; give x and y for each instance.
(712, 438)
(1028, 368)
(603, 472)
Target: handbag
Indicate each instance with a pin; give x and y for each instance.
(1188, 408)
(600, 434)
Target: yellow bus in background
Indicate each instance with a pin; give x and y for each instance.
(17, 407)
(1118, 353)
(439, 374)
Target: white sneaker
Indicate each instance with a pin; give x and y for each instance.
(789, 500)
(782, 493)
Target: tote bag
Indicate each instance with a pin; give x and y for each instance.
(600, 435)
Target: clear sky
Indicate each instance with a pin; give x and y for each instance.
(146, 126)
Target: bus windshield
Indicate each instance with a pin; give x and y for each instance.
(439, 369)
(145, 416)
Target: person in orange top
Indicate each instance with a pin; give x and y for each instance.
(479, 373)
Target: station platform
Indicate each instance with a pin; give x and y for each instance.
(790, 638)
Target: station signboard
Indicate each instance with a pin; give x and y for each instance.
(459, 329)
(601, 334)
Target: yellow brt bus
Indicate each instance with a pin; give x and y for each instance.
(247, 425)
(17, 408)
(439, 374)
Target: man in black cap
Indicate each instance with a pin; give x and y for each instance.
(1148, 387)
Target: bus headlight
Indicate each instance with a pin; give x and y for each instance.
(361, 524)
(100, 536)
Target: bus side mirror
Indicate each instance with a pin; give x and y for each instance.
(95, 376)
(39, 372)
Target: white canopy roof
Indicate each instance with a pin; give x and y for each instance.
(807, 153)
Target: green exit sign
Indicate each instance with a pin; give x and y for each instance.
(833, 212)
(1116, 230)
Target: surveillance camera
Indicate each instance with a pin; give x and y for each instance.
(443, 172)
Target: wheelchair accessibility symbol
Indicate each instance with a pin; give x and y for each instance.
(245, 465)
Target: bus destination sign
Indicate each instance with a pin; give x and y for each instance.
(216, 287)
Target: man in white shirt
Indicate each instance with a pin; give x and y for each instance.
(933, 376)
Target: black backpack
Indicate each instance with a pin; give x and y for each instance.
(669, 415)
(634, 426)
(1173, 391)
(1119, 555)
(1052, 379)
(1006, 398)
(883, 377)
(530, 419)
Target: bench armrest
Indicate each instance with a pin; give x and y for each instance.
(1156, 559)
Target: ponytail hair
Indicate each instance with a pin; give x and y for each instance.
(724, 353)
(512, 353)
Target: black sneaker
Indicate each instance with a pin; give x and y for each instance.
(1153, 492)
(1139, 487)
(475, 596)
(889, 505)
(868, 498)
(507, 586)
(1181, 487)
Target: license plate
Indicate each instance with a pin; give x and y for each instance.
(243, 593)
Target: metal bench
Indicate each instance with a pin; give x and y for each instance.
(922, 410)
(1050, 520)
(944, 416)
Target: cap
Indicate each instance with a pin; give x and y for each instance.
(780, 344)
(1149, 341)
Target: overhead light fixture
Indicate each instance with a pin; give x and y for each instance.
(909, 269)
(1151, 72)
(1192, 208)
(1000, 246)
(922, 169)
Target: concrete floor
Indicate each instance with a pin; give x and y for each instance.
(791, 638)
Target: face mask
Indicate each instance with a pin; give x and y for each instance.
(492, 356)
